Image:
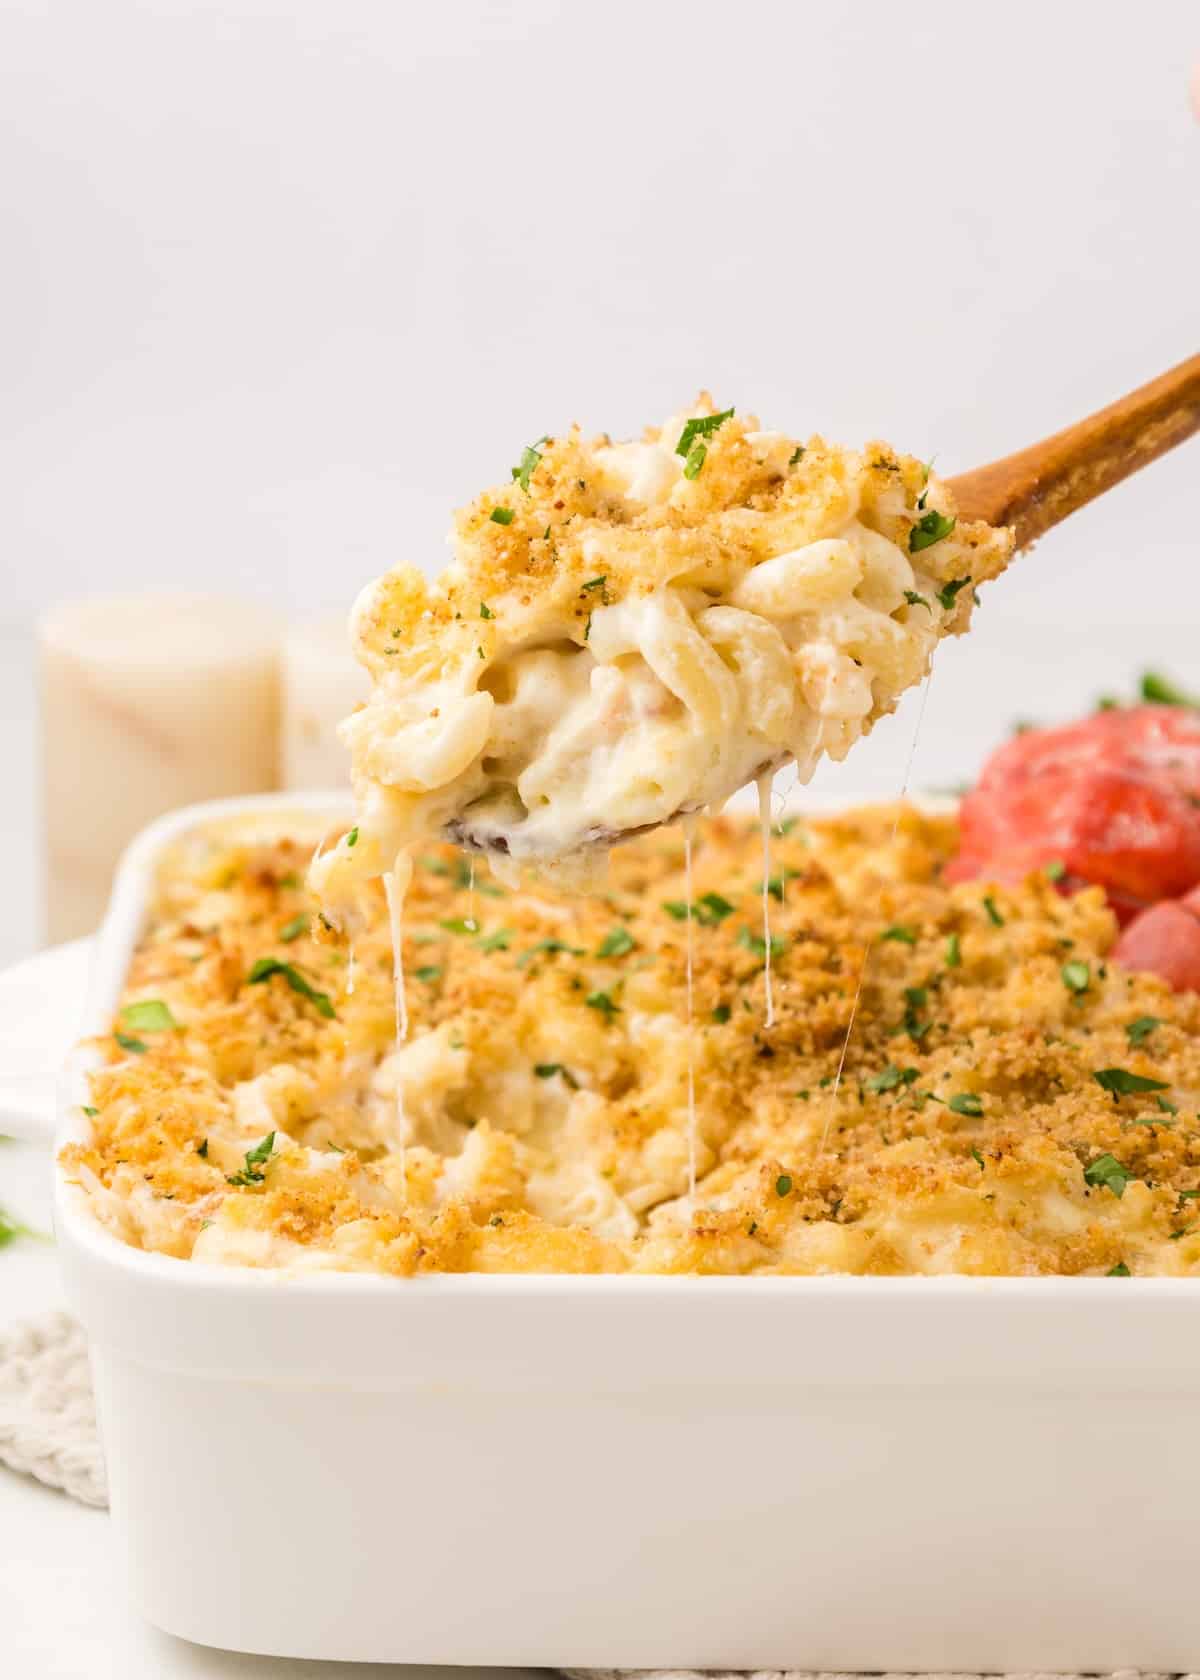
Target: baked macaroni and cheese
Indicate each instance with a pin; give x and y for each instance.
(1013, 1101)
(632, 631)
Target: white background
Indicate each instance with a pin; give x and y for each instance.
(282, 283)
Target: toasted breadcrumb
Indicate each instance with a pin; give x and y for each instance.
(545, 1077)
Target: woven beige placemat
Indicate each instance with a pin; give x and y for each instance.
(48, 1430)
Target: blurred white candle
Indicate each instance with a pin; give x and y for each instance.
(322, 684)
(148, 702)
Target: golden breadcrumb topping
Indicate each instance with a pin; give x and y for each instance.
(1012, 1102)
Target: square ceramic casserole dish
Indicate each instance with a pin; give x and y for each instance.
(825, 1473)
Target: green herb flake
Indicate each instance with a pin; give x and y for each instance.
(977, 1157)
(1119, 1270)
(1056, 870)
(485, 611)
(993, 915)
(901, 934)
(1119, 1082)
(550, 948)
(459, 924)
(150, 1015)
(594, 583)
(254, 1161)
(892, 1078)
(295, 929)
(1166, 1107)
(697, 455)
(1106, 1172)
(783, 1185)
(966, 1102)
(702, 426)
(1076, 976)
(202, 1149)
(430, 973)
(796, 455)
(948, 594)
(501, 516)
(755, 943)
(603, 1002)
(915, 600)
(712, 909)
(267, 967)
(498, 940)
(90, 1111)
(11, 1228)
(776, 884)
(352, 837)
(528, 464)
(721, 1014)
(547, 1070)
(953, 952)
(930, 529)
(1137, 1032)
(618, 943)
(135, 1046)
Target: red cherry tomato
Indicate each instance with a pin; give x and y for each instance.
(1164, 940)
(1115, 800)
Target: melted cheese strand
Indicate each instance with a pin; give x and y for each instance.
(689, 823)
(764, 823)
(862, 972)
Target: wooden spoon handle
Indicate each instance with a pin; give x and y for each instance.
(1040, 486)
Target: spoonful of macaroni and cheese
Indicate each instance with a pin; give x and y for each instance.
(630, 632)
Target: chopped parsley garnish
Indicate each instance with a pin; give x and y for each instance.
(1119, 1270)
(202, 1150)
(295, 928)
(1119, 1082)
(498, 940)
(459, 924)
(617, 943)
(1056, 870)
(892, 1078)
(976, 1156)
(949, 592)
(966, 1102)
(783, 1185)
(430, 973)
(527, 465)
(710, 909)
(993, 915)
(697, 455)
(267, 967)
(953, 952)
(485, 611)
(150, 1015)
(796, 455)
(135, 1046)
(501, 516)
(254, 1160)
(702, 426)
(915, 600)
(547, 1070)
(1076, 976)
(1166, 1107)
(930, 529)
(550, 947)
(352, 837)
(595, 583)
(1137, 1032)
(755, 942)
(1107, 1172)
(721, 1014)
(11, 1229)
(1165, 693)
(777, 883)
(435, 866)
(901, 934)
(90, 1112)
(603, 1002)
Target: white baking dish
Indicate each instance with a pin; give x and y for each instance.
(836, 1473)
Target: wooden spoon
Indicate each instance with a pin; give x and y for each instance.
(1040, 486)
